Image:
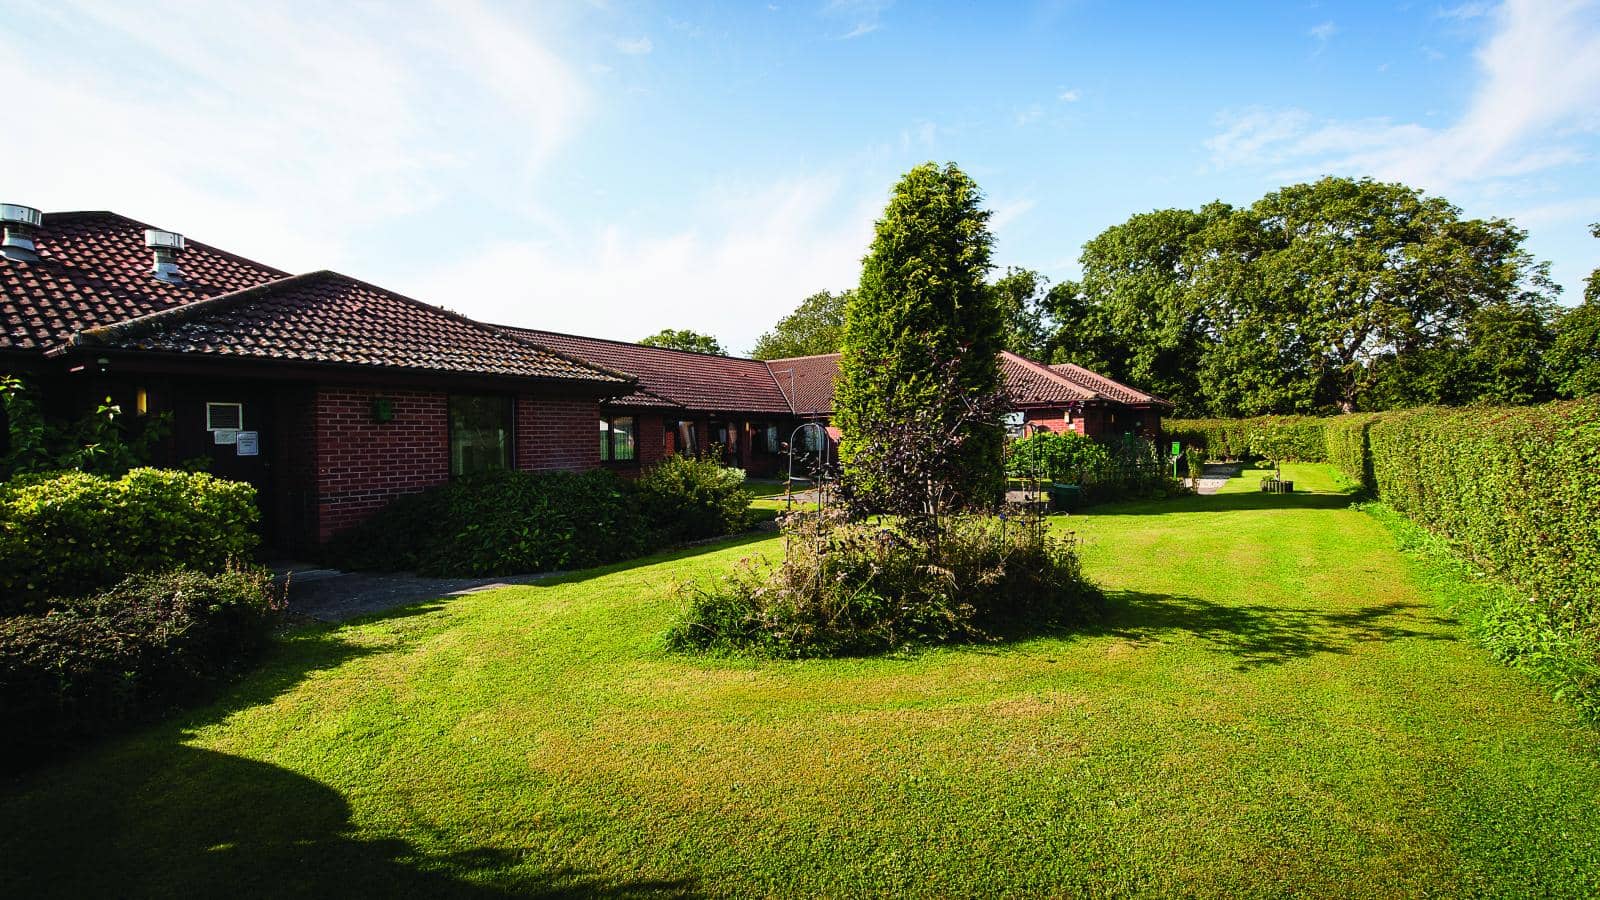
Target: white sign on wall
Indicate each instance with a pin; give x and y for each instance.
(224, 435)
(247, 443)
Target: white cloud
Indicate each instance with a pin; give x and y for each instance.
(1323, 31)
(1465, 11)
(862, 16)
(1007, 212)
(638, 46)
(768, 247)
(1070, 95)
(282, 135)
(1028, 115)
(1539, 84)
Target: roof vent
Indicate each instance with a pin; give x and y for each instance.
(167, 245)
(19, 222)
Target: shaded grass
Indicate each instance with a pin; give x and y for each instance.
(1273, 705)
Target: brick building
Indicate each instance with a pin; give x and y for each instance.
(333, 396)
(330, 395)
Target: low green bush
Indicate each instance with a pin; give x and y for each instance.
(91, 664)
(71, 533)
(687, 498)
(845, 588)
(501, 523)
(1117, 469)
(1345, 446)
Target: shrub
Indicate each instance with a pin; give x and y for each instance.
(687, 499)
(1060, 457)
(1124, 467)
(501, 523)
(1301, 437)
(88, 665)
(71, 533)
(851, 588)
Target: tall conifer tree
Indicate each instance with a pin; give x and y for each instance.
(923, 314)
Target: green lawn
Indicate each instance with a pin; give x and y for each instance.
(1273, 706)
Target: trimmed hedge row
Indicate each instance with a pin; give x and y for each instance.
(1516, 489)
(510, 522)
(1232, 438)
(72, 533)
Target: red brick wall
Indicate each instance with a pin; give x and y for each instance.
(363, 464)
(652, 439)
(557, 434)
(1054, 419)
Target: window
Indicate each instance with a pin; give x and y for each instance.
(617, 439)
(224, 416)
(772, 439)
(480, 434)
(687, 439)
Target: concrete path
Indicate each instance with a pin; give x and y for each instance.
(329, 595)
(1214, 475)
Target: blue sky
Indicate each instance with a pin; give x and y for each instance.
(612, 168)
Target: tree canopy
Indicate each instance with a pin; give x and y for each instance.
(1574, 357)
(684, 339)
(1340, 294)
(814, 328)
(923, 318)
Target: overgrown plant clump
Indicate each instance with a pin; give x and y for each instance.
(847, 588)
(94, 664)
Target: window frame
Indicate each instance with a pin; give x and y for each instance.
(238, 408)
(510, 402)
(608, 454)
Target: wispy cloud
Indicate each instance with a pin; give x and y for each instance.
(766, 247)
(862, 17)
(1070, 95)
(1465, 11)
(373, 109)
(1323, 31)
(1028, 115)
(1539, 84)
(638, 46)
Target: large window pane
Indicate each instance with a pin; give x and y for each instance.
(605, 440)
(480, 434)
(622, 438)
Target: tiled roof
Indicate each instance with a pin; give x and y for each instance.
(809, 386)
(1030, 384)
(691, 381)
(1100, 384)
(326, 318)
(94, 269)
(1027, 383)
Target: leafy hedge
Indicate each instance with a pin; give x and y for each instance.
(90, 665)
(502, 523)
(1517, 490)
(1346, 446)
(687, 498)
(71, 533)
(1301, 436)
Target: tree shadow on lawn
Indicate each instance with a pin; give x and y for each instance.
(1259, 635)
(149, 815)
(1208, 503)
(194, 822)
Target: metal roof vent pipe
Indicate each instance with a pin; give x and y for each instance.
(167, 245)
(20, 222)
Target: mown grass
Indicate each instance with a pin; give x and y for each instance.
(1273, 706)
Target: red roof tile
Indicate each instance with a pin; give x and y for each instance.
(1030, 384)
(692, 381)
(330, 319)
(94, 269)
(807, 382)
(1100, 384)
